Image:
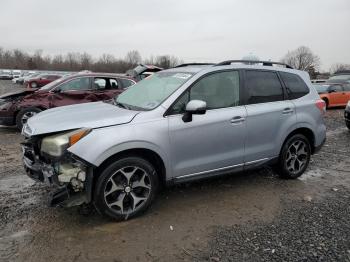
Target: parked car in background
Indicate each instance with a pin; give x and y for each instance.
(29, 77)
(340, 77)
(334, 95)
(16, 73)
(182, 124)
(42, 80)
(142, 71)
(5, 74)
(318, 81)
(16, 108)
(347, 115)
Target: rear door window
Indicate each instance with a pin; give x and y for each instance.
(262, 87)
(295, 86)
(100, 83)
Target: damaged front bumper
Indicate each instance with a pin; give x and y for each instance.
(71, 178)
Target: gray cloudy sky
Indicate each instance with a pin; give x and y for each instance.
(194, 30)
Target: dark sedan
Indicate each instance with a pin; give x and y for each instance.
(16, 108)
(347, 115)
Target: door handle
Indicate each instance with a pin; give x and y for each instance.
(237, 120)
(287, 111)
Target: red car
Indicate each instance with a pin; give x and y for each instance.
(41, 80)
(16, 108)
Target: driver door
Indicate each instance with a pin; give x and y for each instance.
(74, 91)
(213, 141)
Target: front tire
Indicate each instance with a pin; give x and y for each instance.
(23, 116)
(294, 157)
(126, 188)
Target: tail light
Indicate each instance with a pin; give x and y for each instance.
(321, 105)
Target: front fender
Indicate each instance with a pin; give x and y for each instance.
(103, 143)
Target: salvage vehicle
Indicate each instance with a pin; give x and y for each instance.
(16, 108)
(182, 124)
(335, 94)
(347, 115)
(31, 76)
(143, 71)
(42, 80)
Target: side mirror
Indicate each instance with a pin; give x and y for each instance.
(194, 107)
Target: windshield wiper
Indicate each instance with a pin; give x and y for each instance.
(121, 105)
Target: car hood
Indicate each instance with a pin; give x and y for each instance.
(19, 93)
(89, 115)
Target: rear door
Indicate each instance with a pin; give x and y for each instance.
(269, 115)
(106, 88)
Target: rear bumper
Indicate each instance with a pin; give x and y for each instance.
(318, 148)
(7, 121)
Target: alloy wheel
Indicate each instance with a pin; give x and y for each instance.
(297, 156)
(127, 190)
(26, 116)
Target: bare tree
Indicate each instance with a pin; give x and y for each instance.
(165, 61)
(133, 58)
(302, 58)
(75, 61)
(86, 61)
(339, 67)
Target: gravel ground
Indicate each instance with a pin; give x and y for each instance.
(304, 231)
(252, 216)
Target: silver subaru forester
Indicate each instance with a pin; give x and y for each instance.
(186, 123)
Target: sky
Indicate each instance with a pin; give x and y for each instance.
(193, 30)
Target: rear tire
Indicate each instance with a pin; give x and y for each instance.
(23, 116)
(347, 125)
(326, 101)
(126, 188)
(294, 157)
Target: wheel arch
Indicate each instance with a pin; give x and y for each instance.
(307, 132)
(326, 100)
(150, 155)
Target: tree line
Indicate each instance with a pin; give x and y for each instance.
(302, 58)
(76, 61)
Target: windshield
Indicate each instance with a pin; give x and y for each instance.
(152, 91)
(321, 88)
(340, 77)
(53, 83)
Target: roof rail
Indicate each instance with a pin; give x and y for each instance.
(193, 64)
(264, 63)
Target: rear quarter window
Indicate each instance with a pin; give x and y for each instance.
(126, 82)
(295, 86)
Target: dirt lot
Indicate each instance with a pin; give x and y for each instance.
(252, 216)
